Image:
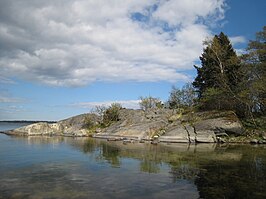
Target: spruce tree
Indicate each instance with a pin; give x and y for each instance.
(219, 75)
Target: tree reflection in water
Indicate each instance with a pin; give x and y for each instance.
(235, 171)
(245, 178)
(219, 172)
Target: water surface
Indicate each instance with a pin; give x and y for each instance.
(9, 125)
(60, 167)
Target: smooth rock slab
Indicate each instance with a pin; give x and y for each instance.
(173, 139)
(207, 136)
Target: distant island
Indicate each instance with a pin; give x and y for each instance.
(26, 121)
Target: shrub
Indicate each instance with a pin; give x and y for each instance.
(150, 102)
(111, 114)
(182, 98)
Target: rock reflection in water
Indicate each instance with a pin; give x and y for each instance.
(230, 171)
(65, 167)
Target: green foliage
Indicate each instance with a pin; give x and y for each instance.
(227, 82)
(216, 99)
(254, 70)
(181, 98)
(88, 123)
(257, 123)
(150, 102)
(111, 114)
(219, 75)
(108, 114)
(220, 65)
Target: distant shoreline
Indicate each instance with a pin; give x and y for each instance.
(25, 121)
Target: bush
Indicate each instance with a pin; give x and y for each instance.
(182, 98)
(111, 114)
(88, 123)
(150, 102)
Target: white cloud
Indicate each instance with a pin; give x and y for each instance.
(4, 99)
(237, 39)
(178, 12)
(5, 80)
(8, 112)
(132, 104)
(74, 43)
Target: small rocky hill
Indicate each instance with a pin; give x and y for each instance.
(171, 126)
(74, 126)
(162, 125)
(137, 124)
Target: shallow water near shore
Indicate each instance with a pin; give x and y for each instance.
(60, 167)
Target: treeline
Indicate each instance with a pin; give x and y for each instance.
(226, 81)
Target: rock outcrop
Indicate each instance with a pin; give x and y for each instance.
(74, 126)
(169, 126)
(163, 125)
(176, 133)
(137, 124)
(211, 126)
(41, 128)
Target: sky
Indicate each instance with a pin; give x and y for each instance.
(60, 58)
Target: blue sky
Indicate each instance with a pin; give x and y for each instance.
(60, 58)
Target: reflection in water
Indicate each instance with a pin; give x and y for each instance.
(111, 153)
(61, 167)
(149, 166)
(227, 171)
(243, 178)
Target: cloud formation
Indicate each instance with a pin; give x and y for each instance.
(237, 39)
(6, 97)
(74, 43)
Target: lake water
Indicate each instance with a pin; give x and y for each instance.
(60, 167)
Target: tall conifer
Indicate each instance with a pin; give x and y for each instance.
(219, 75)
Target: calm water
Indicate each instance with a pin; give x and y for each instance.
(12, 125)
(59, 167)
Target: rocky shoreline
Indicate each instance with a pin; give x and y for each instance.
(154, 125)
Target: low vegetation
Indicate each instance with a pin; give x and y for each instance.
(111, 114)
(150, 102)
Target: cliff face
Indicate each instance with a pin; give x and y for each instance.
(161, 124)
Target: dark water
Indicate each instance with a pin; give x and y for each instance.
(59, 167)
